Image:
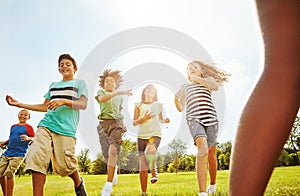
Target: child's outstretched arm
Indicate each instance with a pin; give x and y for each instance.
(34, 107)
(104, 98)
(268, 117)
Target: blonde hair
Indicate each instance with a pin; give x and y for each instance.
(212, 71)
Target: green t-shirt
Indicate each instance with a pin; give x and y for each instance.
(110, 109)
(64, 119)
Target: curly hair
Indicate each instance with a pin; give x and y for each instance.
(116, 74)
(212, 71)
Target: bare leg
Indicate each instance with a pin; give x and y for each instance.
(143, 173)
(10, 186)
(150, 153)
(274, 103)
(76, 178)
(201, 166)
(111, 162)
(3, 182)
(213, 164)
(38, 182)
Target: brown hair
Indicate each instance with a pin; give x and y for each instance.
(116, 74)
(69, 57)
(143, 93)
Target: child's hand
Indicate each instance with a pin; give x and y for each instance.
(148, 116)
(11, 101)
(24, 138)
(53, 105)
(167, 120)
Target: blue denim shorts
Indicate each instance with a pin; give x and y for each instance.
(198, 130)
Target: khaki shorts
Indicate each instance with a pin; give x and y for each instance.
(49, 145)
(9, 166)
(110, 131)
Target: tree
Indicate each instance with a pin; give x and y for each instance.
(225, 147)
(127, 159)
(160, 162)
(99, 166)
(84, 162)
(283, 158)
(167, 160)
(187, 163)
(178, 149)
(294, 140)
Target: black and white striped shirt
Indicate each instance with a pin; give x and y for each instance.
(199, 105)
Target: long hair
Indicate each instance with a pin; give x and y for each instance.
(143, 93)
(212, 71)
(116, 74)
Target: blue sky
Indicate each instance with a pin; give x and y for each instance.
(34, 33)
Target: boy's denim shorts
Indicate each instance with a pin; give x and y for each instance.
(198, 130)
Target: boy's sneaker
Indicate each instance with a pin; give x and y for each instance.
(203, 194)
(211, 189)
(80, 190)
(115, 179)
(107, 189)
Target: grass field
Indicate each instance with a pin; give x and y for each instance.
(284, 181)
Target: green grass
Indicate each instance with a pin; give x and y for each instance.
(284, 181)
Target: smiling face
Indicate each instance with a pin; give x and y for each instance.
(149, 94)
(23, 116)
(67, 69)
(109, 84)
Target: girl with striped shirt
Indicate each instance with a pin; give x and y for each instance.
(202, 118)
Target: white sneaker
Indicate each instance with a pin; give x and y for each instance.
(115, 179)
(106, 191)
(211, 189)
(203, 194)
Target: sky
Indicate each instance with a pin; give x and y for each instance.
(34, 33)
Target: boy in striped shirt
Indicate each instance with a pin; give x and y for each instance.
(55, 137)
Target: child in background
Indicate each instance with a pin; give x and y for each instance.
(202, 118)
(148, 116)
(21, 135)
(56, 133)
(111, 126)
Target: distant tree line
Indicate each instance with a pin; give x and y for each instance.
(176, 159)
